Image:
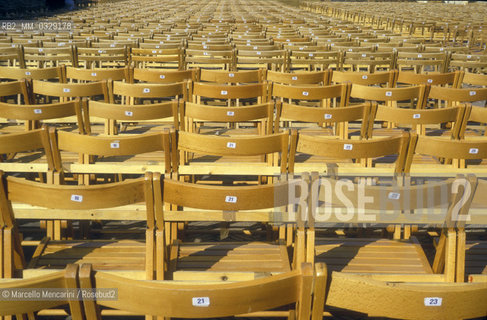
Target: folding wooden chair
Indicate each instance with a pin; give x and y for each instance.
(102, 57)
(81, 75)
(49, 57)
(450, 79)
(43, 91)
(59, 282)
(12, 56)
(232, 77)
(49, 201)
(158, 58)
(385, 79)
(453, 96)
(230, 95)
(310, 95)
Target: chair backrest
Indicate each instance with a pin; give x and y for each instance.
(309, 92)
(32, 73)
(299, 78)
(365, 79)
(462, 150)
(458, 95)
(474, 114)
(164, 76)
(200, 300)
(201, 112)
(220, 76)
(14, 88)
(98, 74)
(390, 95)
(57, 282)
(108, 146)
(36, 112)
(240, 146)
(476, 79)
(149, 90)
(70, 90)
(434, 79)
(418, 117)
(225, 92)
(26, 141)
(350, 149)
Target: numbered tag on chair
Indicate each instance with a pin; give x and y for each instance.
(146, 90)
(433, 302)
(347, 146)
(231, 199)
(305, 93)
(37, 111)
(388, 93)
(115, 144)
(76, 198)
(231, 145)
(394, 195)
(201, 301)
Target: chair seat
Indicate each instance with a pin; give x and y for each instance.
(102, 254)
(256, 257)
(363, 255)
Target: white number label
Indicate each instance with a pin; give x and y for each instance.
(223, 92)
(472, 93)
(363, 55)
(66, 90)
(129, 113)
(162, 76)
(305, 93)
(328, 116)
(231, 199)
(394, 195)
(40, 49)
(231, 75)
(27, 73)
(201, 301)
(258, 53)
(473, 151)
(76, 198)
(37, 111)
(347, 146)
(230, 113)
(416, 116)
(388, 93)
(231, 145)
(294, 78)
(310, 54)
(420, 55)
(433, 302)
(146, 90)
(429, 80)
(365, 77)
(115, 145)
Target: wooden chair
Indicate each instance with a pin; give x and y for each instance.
(169, 299)
(112, 153)
(473, 79)
(50, 201)
(15, 88)
(58, 282)
(311, 60)
(199, 202)
(229, 148)
(467, 128)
